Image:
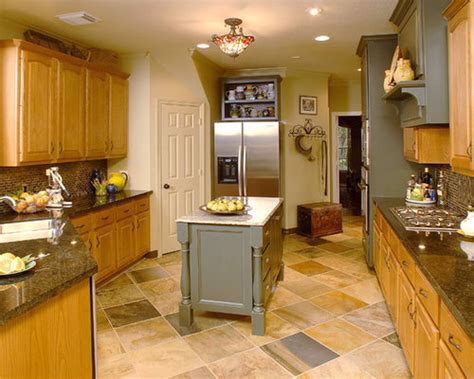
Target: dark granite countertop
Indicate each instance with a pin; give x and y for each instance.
(443, 262)
(68, 263)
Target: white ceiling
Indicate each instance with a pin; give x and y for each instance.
(282, 28)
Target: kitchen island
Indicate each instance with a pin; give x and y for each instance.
(231, 264)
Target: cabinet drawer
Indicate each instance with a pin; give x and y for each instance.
(457, 341)
(142, 204)
(104, 217)
(124, 210)
(82, 224)
(266, 234)
(427, 295)
(266, 262)
(407, 263)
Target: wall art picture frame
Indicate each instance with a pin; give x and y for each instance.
(308, 105)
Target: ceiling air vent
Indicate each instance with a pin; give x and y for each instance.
(78, 18)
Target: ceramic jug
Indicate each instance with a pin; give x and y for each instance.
(387, 83)
(230, 95)
(404, 71)
(270, 91)
(119, 179)
(239, 93)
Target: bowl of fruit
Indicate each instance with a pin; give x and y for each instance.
(27, 202)
(226, 206)
(10, 264)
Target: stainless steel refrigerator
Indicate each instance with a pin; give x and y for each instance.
(247, 158)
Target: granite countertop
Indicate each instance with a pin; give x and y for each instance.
(262, 209)
(443, 262)
(68, 263)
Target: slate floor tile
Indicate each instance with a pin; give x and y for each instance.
(130, 313)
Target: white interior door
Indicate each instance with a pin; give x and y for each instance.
(180, 167)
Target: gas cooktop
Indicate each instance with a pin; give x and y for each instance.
(428, 219)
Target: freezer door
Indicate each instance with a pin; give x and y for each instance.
(261, 159)
(227, 158)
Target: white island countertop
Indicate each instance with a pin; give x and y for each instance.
(262, 210)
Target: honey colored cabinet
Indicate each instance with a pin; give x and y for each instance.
(427, 344)
(97, 122)
(142, 234)
(37, 107)
(118, 127)
(448, 367)
(428, 145)
(377, 250)
(393, 277)
(406, 318)
(72, 112)
(460, 30)
(125, 241)
(104, 250)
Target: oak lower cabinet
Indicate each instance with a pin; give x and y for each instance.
(406, 320)
(142, 222)
(126, 251)
(427, 344)
(448, 367)
(104, 250)
(378, 260)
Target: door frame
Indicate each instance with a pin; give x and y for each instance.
(335, 152)
(203, 172)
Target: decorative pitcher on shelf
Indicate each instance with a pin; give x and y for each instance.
(404, 72)
(119, 179)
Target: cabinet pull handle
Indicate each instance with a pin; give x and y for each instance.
(126, 211)
(405, 264)
(111, 145)
(97, 242)
(105, 218)
(90, 245)
(469, 151)
(60, 148)
(453, 342)
(423, 293)
(267, 260)
(80, 226)
(409, 306)
(51, 148)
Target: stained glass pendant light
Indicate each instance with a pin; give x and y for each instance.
(235, 42)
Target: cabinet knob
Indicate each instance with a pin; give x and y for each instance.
(166, 186)
(52, 148)
(60, 148)
(453, 342)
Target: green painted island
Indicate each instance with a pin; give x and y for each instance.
(231, 264)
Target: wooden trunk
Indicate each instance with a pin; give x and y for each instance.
(319, 219)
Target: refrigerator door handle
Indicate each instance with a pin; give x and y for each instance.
(239, 170)
(244, 171)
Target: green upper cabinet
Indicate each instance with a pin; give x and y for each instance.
(422, 38)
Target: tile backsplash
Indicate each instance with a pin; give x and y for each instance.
(75, 175)
(459, 190)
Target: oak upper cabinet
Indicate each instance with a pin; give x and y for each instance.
(429, 144)
(72, 111)
(406, 314)
(37, 106)
(97, 121)
(118, 132)
(459, 16)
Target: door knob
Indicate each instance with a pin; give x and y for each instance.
(166, 186)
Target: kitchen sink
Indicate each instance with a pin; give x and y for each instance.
(27, 230)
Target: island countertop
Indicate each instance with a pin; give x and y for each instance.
(442, 261)
(261, 210)
(64, 265)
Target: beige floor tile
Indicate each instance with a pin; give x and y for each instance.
(292, 245)
(340, 336)
(338, 303)
(102, 323)
(359, 270)
(310, 268)
(337, 237)
(336, 279)
(306, 288)
(108, 344)
(291, 275)
(144, 263)
(169, 259)
(291, 258)
(145, 333)
(117, 366)
(303, 315)
(167, 303)
(382, 360)
(340, 368)
(165, 360)
(174, 269)
(202, 321)
(119, 281)
(275, 328)
(353, 242)
(119, 295)
(374, 319)
(367, 290)
(282, 297)
(334, 247)
(357, 254)
(214, 344)
(198, 373)
(335, 261)
(156, 288)
(251, 364)
(312, 252)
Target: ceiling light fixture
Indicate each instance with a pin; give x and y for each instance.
(235, 42)
(322, 38)
(314, 11)
(202, 46)
(78, 18)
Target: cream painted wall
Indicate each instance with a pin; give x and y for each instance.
(345, 96)
(302, 182)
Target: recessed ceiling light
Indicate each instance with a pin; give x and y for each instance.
(78, 18)
(314, 11)
(202, 46)
(322, 38)
(295, 57)
(359, 69)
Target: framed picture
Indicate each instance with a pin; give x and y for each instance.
(309, 105)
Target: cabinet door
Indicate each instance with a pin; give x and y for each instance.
(426, 344)
(460, 101)
(384, 274)
(72, 112)
(393, 269)
(378, 260)
(142, 233)
(406, 312)
(125, 241)
(448, 367)
(38, 107)
(410, 148)
(97, 119)
(104, 250)
(118, 116)
(87, 239)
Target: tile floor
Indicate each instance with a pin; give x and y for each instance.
(327, 319)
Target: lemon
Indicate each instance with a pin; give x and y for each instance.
(9, 256)
(5, 263)
(17, 265)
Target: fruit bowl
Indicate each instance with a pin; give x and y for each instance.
(27, 203)
(226, 206)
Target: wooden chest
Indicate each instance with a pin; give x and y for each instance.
(319, 219)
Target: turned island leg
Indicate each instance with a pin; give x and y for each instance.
(185, 310)
(258, 311)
